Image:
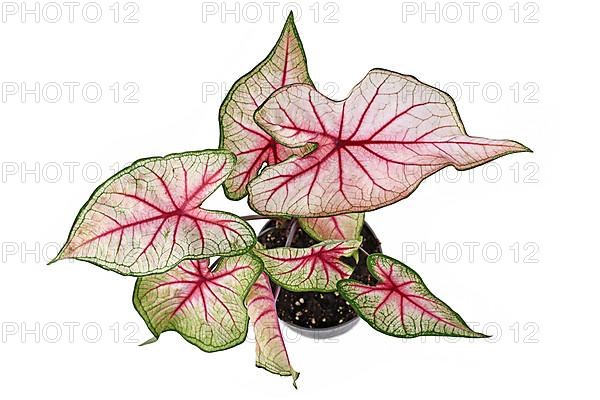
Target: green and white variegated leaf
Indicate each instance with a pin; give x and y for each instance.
(271, 353)
(285, 64)
(373, 149)
(147, 218)
(206, 308)
(339, 227)
(316, 268)
(400, 304)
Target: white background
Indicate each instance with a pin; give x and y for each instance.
(539, 303)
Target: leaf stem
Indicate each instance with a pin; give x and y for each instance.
(254, 217)
(276, 294)
(366, 253)
(291, 233)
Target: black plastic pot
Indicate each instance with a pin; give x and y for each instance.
(317, 314)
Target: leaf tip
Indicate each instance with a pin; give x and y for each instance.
(289, 28)
(56, 258)
(153, 339)
(290, 18)
(522, 148)
(295, 375)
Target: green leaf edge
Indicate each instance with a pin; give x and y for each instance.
(371, 259)
(208, 349)
(294, 374)
(304, 290)
(289, 22)
(136, 164)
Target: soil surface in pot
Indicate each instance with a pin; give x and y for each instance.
(312, 309)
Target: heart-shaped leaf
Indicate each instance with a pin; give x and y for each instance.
(271, 353)
(400, 304)
(374, 148)
(317, 268)
(338, 227)
(285, 64)
(147, 218)
(206, 308)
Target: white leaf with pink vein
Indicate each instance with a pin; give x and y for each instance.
(400, 304)
(271, 353)
(147, 218)
(316, 268)
(205, 307)
(374, 148)
(284, 65)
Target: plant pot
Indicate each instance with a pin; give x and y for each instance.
(316, 314)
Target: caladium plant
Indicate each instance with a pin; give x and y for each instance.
(302, 159)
